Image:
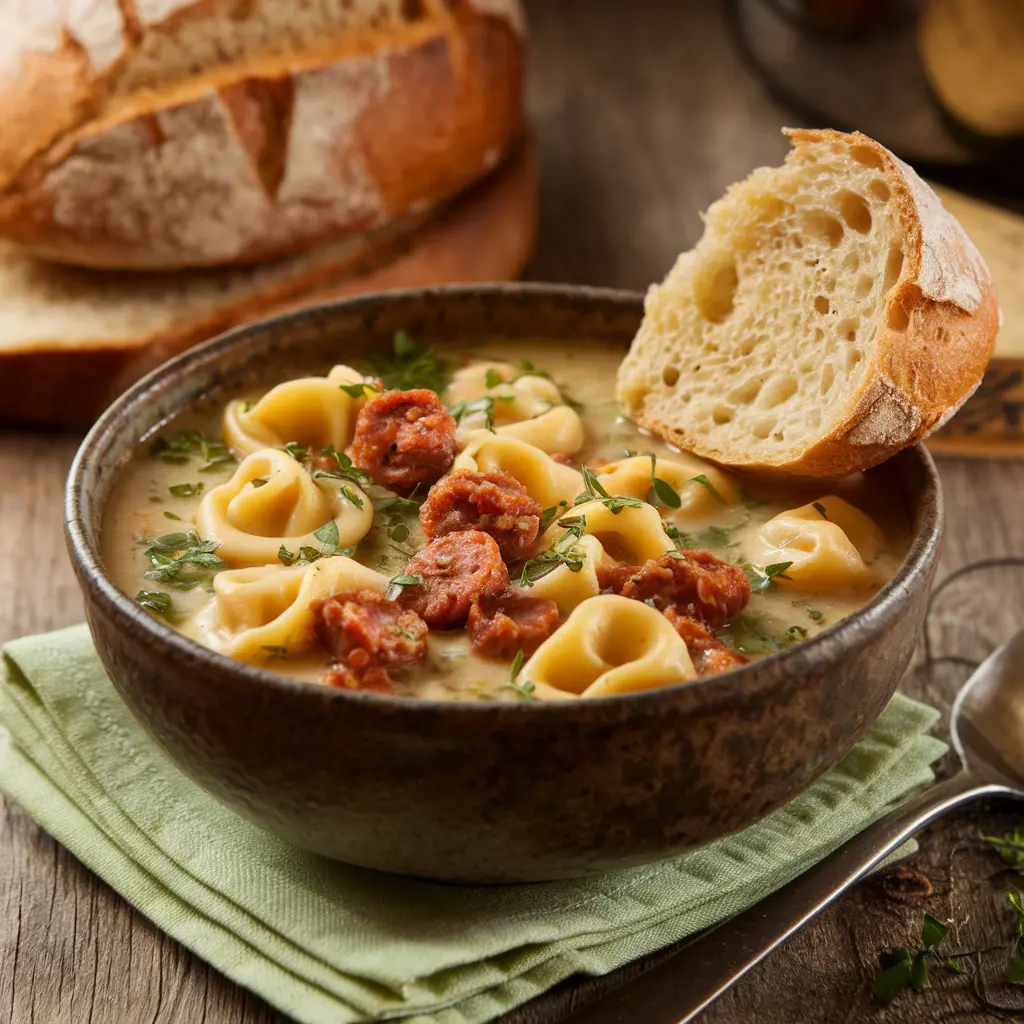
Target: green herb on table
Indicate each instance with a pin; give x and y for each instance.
(155, 600)
(1015, 961)
(1009, 847)
(183, 446)
(596, 492)
(761, 580)
(182, 560)
(186, 490)
(565, 551)
(900, 969)
(409, 366)
(661, 491)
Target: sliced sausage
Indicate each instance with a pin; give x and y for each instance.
(501, 626)
(403, 439)
(493, 503)
(695, 583)
(364, 630)
(454, 571)
(372, 680)
(708, 653)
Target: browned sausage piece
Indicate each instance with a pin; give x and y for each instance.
(499, 627)
(494, 503)
(372, 680)
(695, 583)
(404, 438)
(454, 571)
(708, 653)
(365, 630)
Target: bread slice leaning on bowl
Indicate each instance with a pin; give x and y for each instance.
(831, 314)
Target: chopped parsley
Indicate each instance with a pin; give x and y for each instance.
(712, 537)
(402, 632)
(358, 390)
(548, 516)
(815, 614)
(186, 490)
(596, 492)
(185, 445)
(565, 551)
(328, 536)
(350, 496)
(183, 560)
(343, 469)
(472, 406)
(259, 481)
(394, 513)
(701, 479)
(900, 969)
(820, 509)
(276, 650)
(662, 491)
(492, 378)
(397, 583)
(155, 600)
(329, 539)
(296, 451)
(525, 689)
(171, 515)
(750, 636)
(409, 365)
(285, 556)
(760, 581)
(1010, 847)
(750, 501)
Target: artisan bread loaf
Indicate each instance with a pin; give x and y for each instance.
(158, 134)
(831, 314)
(71, 339)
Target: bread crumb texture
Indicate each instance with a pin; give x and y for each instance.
(808, 327)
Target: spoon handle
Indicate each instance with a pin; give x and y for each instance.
(679, 988)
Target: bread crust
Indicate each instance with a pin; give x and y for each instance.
(486, 234)
(260, 159)
(937, 330)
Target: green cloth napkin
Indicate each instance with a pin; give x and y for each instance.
(328, 943)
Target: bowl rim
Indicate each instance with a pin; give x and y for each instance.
(815, 653)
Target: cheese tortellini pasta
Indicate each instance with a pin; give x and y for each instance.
(312, 411)
(829, 543)
(611, 645)
(699, 498)
(267, 611)
(631, 535)
(547, 481)
(272, 502)
(568, 587)
(526, 407)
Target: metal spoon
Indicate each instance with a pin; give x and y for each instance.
(987, 726)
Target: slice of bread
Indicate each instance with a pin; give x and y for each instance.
(211, 133)
(72, 339)
(831, 314)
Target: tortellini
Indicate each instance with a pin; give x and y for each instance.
(526, 407)
(610, 645)
(631, 535)
(567, 588)
(829, 551)
(272, 502)
(632, 476)
(268, 611)
(547, 481)
(313, 411)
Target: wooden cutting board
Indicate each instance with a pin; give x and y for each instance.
(991, 424)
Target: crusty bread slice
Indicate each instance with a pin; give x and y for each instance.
(831, 314)
(223, 134)
(72, 339)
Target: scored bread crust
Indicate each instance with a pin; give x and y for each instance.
(486, 234)
(936, 333)
(266, 155)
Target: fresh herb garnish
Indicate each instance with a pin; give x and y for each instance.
(402, 632)
(712, 537)
(181, 447)
(815, 614)
(820, 509)
(155, 600)
(394, 512)
(328, 537)
(492, 378)
(900, 969)
(171, 515)
(409, 365)
(596, 492)
(471, 406)
(259, 481)
(182, 560)
(343, 468)
(276, 650)
(750, 501)
(358, 390)
(525, 689)
(397, 583)
(186, 490)
(751, 636)
(565, 551)
(285, 556)
(661, 490)
(295, 450)
(701, 479)
(1015, 962)
(797, 631)
(350, 496)
(760, 581)
(548, 516)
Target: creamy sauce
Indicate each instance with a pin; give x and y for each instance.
(154, 497)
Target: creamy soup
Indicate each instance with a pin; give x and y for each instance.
(478, 523)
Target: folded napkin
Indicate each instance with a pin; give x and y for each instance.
(325, 942)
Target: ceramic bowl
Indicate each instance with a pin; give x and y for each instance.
(478, 791)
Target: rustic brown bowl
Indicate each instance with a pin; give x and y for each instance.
(483, 792)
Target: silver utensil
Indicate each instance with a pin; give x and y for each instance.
(987, 726)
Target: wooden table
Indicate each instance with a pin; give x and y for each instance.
(644, 114)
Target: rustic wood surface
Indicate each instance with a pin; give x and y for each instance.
(644, 114)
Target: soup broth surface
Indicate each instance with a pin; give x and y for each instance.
(192, 459)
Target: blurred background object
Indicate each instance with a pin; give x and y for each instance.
(169, 173)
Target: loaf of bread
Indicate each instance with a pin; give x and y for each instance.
(71, 339)
(158, 134)
(831, 314)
